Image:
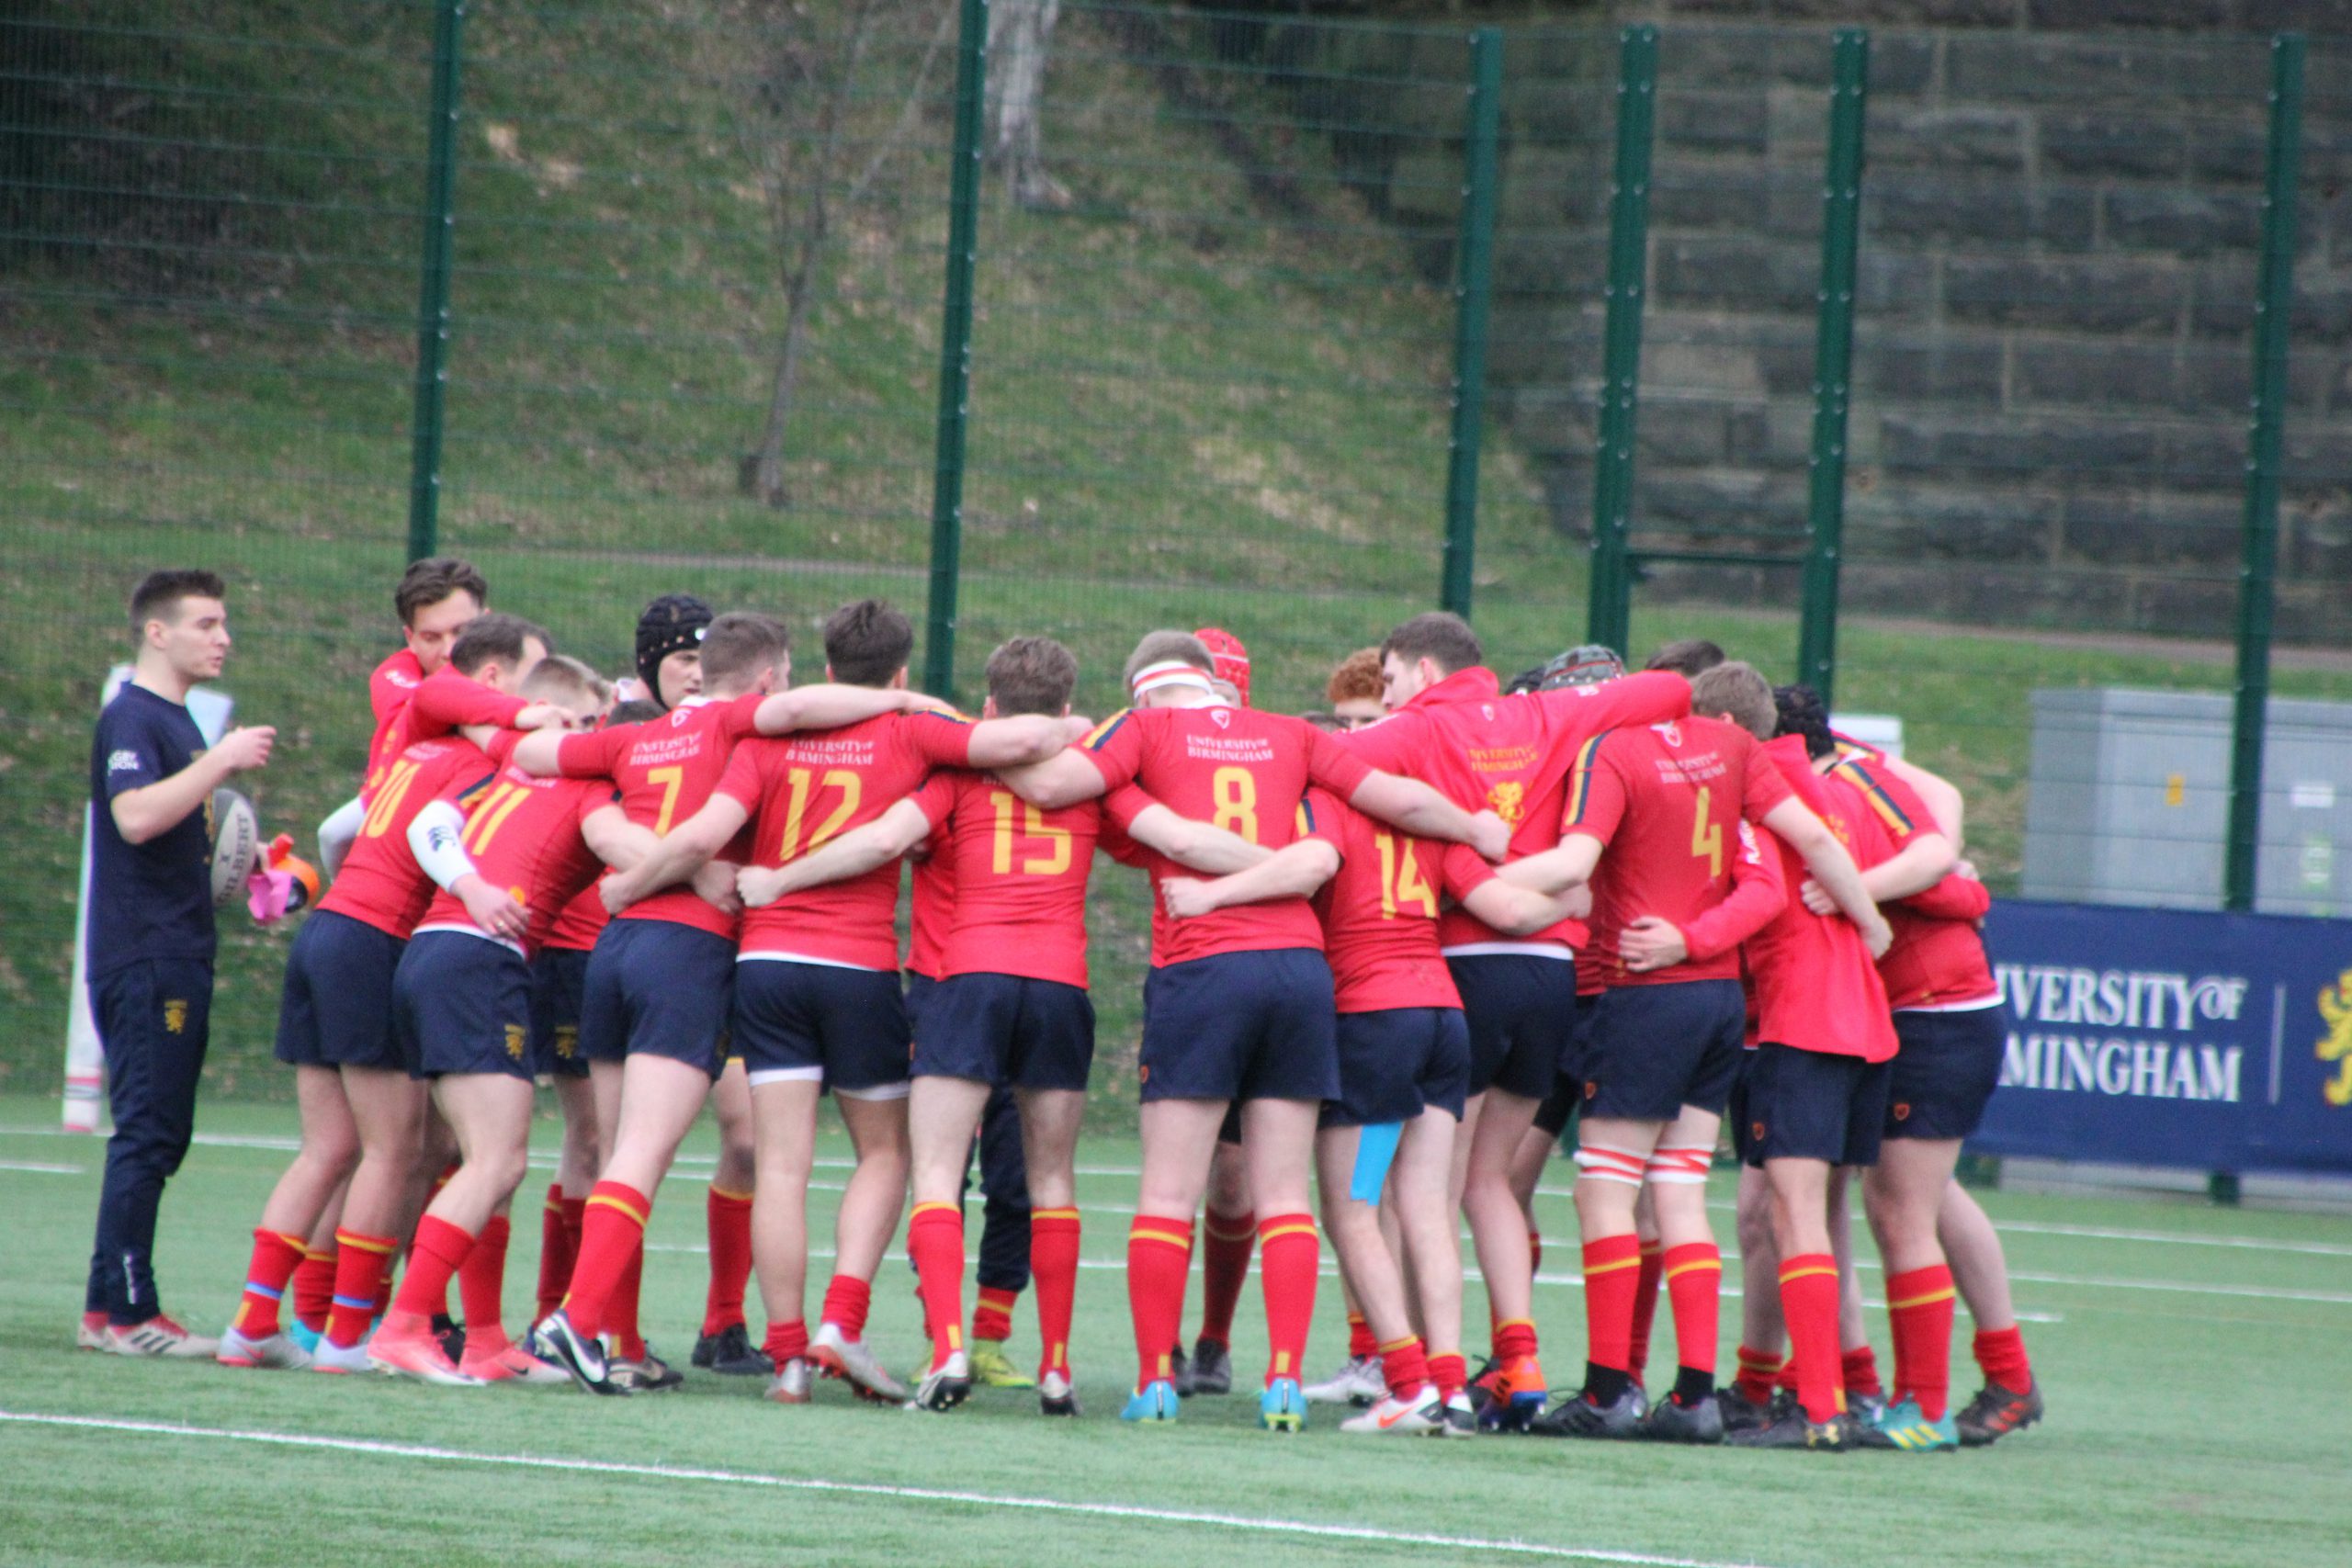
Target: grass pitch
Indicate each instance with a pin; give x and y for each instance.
(2194, 1359)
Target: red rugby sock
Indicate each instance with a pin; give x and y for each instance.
(314, 1288)
(1291, 1253)
(992, 1314)
(1809, 1303)
(935, 1242)
(1360, 1343)
(437, 1254)
(1695, 1277)
(1611, 1276)
(559, 1245)
(847, 1301)
(1646, 1290)
(275, 1259)
(787, 1342)
(1226, 1241)
(2000, 1352)
(1052, 1260)
(728, 1217)
(482, 1284)
(359, 1275)
(611, 1238)
(1857, 1368)
(1159, 1255)
(1758, 1372)
(1450, 1372)
(1405, 1364)
(1919, 1305)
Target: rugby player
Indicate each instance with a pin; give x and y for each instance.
(1237, 1005)
(817, 1003)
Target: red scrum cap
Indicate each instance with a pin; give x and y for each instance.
(1232, 659)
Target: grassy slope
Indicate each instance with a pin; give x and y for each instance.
(1178, 415)
(2115, 1477)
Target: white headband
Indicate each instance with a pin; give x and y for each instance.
(1169, 672)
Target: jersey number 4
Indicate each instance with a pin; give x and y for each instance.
(1707, 837)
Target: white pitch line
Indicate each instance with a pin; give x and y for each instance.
(2247, 1243)
(1243, 1522)
(38, 1168)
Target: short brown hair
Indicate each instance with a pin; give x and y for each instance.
(1356, 679)
(1438, 636)
(158, 595)
(567, 682)
(494, 637)
(1031, 674)
(1165, 646)
(428, 581)
(1323, 720)
(740, 644)
(1688, 657)
(1736, 691)
(866, 643)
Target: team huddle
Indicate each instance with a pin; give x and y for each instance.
(1398, 949)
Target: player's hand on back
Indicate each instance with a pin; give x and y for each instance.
(758, 886)
(494, 910)
(1878, 935)
(246, 748)
(543, 715)
(715, 881)
(1186, 898)
(1650, 943)
(1816, 897)
(1491, 836)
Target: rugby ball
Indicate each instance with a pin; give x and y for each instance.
(236, 842)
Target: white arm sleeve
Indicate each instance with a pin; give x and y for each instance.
(433, 838)
(338, 833)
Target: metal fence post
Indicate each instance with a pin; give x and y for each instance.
(1841, 202)
(433, 285)
(1472, 293)
(2258, 550)
(1609, 612)
(955, 354)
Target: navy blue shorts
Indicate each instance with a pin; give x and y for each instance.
(1945, 1073)
(1241, 1026)
(1398, 1062)
(1736, 1110)
(462, 1004)
(1522, 1012)
(1813, 1105)
(919, 989)
(1651, 1050)
(559, 979)
(843, 1028)
(1559, 1107)
(1008, 1032)
(659, 987)
(336, 1008)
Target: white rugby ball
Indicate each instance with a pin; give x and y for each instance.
(236, 842)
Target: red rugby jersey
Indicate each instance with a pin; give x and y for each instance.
(580, 922)
(666, 770)
(1815, 985)
(389, 686)
(434, 706)
(1020, 883)
(1510, 755)
(381, 882)
(1266, 927)
(1937, 958)
(1380, 911)
(931, 901)
(523, 834)
(1672, 805)
(805, 788)
(1238, 768)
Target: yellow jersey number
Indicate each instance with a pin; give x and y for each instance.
(1032, 825)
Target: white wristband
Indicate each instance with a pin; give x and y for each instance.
(434, 838)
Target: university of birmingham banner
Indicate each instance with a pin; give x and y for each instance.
(2168, 1037)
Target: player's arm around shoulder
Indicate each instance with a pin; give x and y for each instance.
(1196, 846)
(1076, 769)
(1496, 898)
(1295, 871)
(676, 858)
(1793, 822)
(855, 852)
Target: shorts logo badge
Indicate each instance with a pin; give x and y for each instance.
(1756, 1131)
(567, 1041)
(175, 1018)
(516, 1038)
(1143, 1074)
(2336, 1011)
(1903, 1110)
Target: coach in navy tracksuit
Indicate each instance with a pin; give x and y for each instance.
(151, 939)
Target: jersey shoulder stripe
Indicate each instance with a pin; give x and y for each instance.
(1875, 793)
(1580, 779)
(1103, 732)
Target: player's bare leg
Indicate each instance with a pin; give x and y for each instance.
(941, 1114)
(329, 1151)
(489, 1116)
(604, 1082)
(1808, 1280)
(388, 1110)
(1857, 1363)
(1527, 1163)
(1498, 1234)
(1179, 1143)
(1613, 1155)
(1903, 1195)
(863, 1226)
(1278, 1142)
(724, 1343)
(1411, 1402)
(2011, 1398)
(784, 1123)
(1682, 1253)
(1427, 1241)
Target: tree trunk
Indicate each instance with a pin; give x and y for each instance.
(762, 475)
(1020, 34)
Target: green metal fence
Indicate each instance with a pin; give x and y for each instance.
(1087, 318)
